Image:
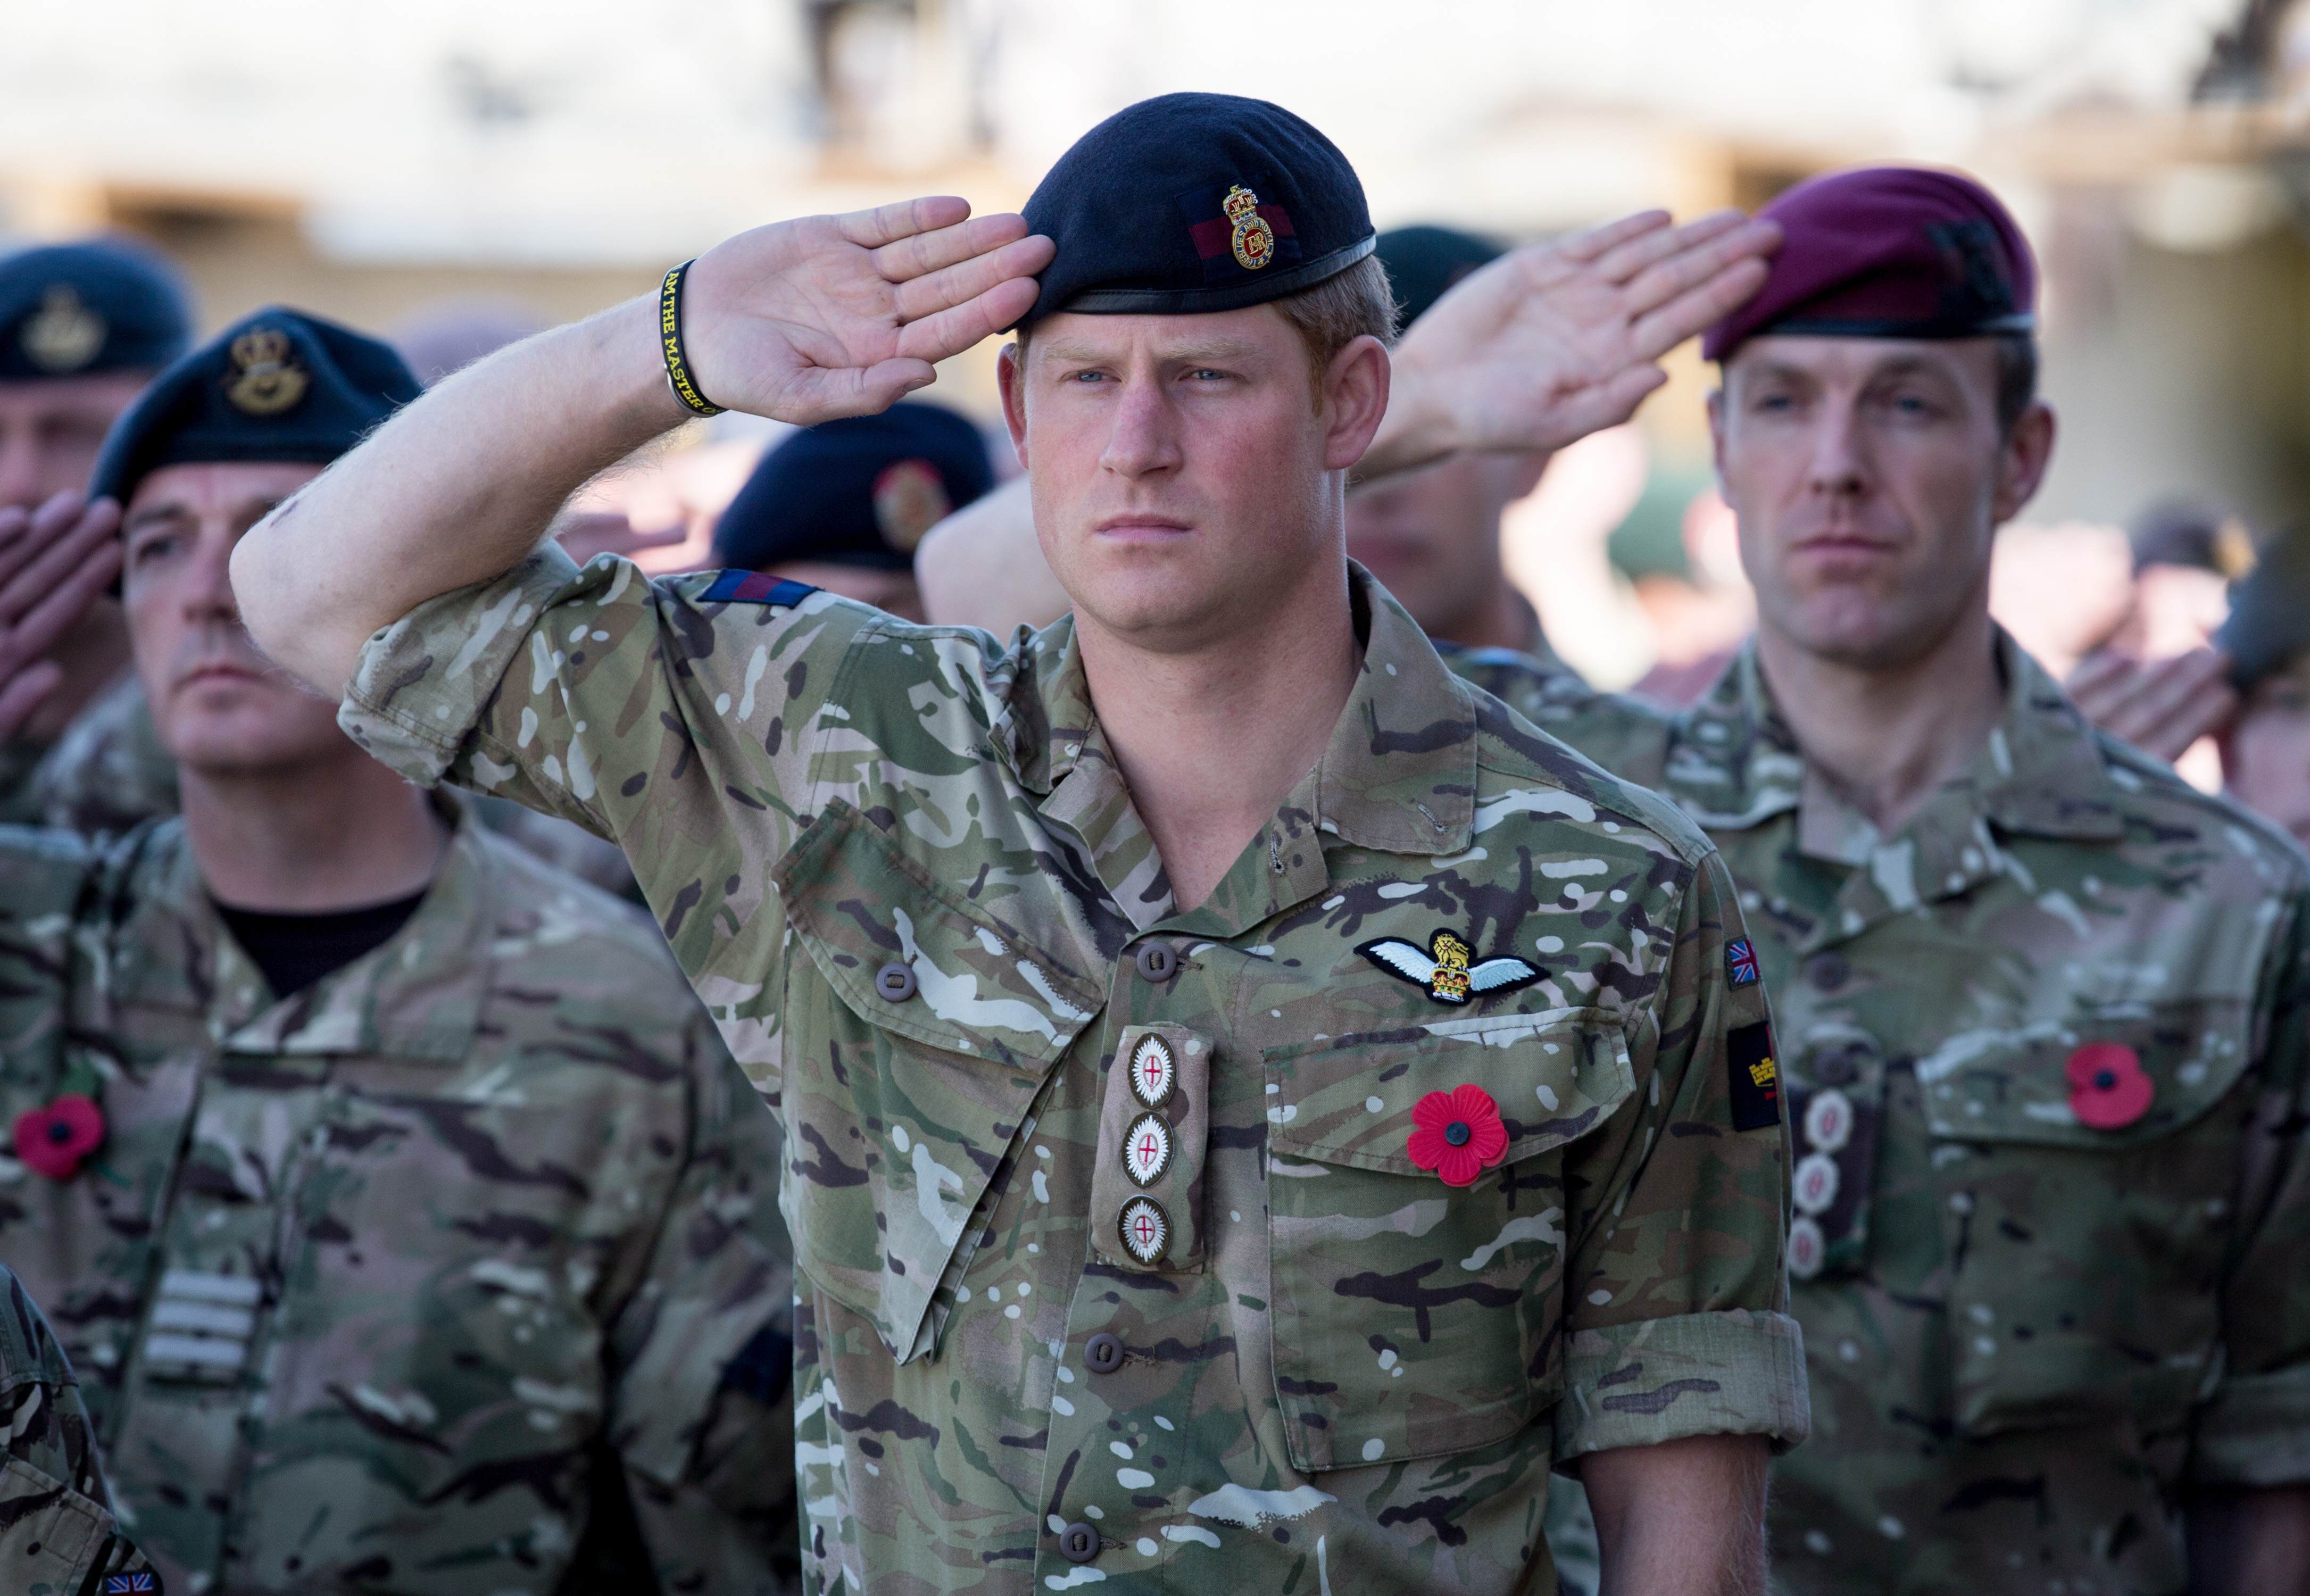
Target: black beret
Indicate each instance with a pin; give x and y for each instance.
(280, 384)
(2193, 532)
(74, 310)
(2270, 611)
(860, 490)
(1423, 262)
(1192, 203)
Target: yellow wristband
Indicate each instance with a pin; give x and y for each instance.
(669, 335)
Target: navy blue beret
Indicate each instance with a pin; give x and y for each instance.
(74, 310)
(1192, 202)
(860, 490)
(2270, 611)
(1423, 262)
(280, 384)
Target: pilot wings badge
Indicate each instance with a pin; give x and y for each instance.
(1444, 968)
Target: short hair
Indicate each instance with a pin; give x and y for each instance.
(1349, 305)
(2017, 378)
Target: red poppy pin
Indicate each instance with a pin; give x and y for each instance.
(1457, 1133)
(2108, 1090)
(53, 1140)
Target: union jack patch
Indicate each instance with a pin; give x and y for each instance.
(129, 1581)
(1740, 961)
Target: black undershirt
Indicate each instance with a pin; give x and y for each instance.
(295, 950)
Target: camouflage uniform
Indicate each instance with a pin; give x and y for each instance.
(374, 1287)
(58, 1535)
(2026, 1336)
(901, 867)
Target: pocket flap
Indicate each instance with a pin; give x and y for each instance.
(1349, 1099)
(859, 906)
(2015, 1086)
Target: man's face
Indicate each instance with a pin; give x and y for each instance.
(1184, 481)
(220, 707)
(1432, 536)
(1869, 475)
(2266, 758)
(51, 430)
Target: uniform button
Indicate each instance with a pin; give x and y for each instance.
(1157, 962)
(1078, 1543)
(1827, 971)
(895, 982)
(1104, 1353)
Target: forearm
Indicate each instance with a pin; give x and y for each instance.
(1684, 1518)
(2249, 1542)
(454, 489)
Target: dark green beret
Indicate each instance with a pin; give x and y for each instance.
(280, 385)
(1425, 262)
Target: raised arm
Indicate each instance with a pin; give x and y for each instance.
(803, 321)
(1556, 341)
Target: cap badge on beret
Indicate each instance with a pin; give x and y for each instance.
(1254, 240)
(1232, 229)
(266, 380)
(909, 500)
(63, 335)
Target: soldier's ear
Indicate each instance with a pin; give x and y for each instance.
(1010, 381)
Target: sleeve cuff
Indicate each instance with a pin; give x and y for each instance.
(2254, 1432)
(421, 685)
(1731, 1373)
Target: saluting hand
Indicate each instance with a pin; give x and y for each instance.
(54, 561)
(1556, 341)
(844, 316)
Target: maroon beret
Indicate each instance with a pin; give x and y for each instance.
(1888, 252)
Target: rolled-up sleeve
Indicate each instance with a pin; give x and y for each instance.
(1678, 1292)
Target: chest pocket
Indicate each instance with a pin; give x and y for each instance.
(918, 1037)
(2089, 1172)
(1412, 1318)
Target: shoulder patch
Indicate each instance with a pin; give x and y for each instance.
(1755, 1078)
(755, 587)
(1740, 962)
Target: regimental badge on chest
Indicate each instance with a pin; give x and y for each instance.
(1446, 969)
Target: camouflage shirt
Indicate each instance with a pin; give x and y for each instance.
(2046, 1058)
(58, 1535)
(363, 1282)
(1118, 1259)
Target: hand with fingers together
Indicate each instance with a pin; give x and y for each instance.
(1556, 341)
(2161, 707)
(54, 562)
(842, 316)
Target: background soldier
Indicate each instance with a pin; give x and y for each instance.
(58, 1534)
(82, 327)
(2042, 1004)
(2266, 748)
(842, 505)
(390, 1188)
(1333, 917)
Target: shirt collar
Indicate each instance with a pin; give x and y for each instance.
(417, 996)
(1398, 775)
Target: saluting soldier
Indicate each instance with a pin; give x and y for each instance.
(1254, 1104)
(83, 327)
(59, 1536)
(2042, 1004)
(391, 1191)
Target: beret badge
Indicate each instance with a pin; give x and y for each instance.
(909, 500)
(1254, 239)
(266, 380)
(63, 335)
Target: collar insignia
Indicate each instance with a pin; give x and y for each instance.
(266, 378)
(1445, 970)
(1254, 239)
(63, 335)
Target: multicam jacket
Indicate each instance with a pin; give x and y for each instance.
(2046, 1058)
(363, 1283)
(1119, 1260)
(58, 1534)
